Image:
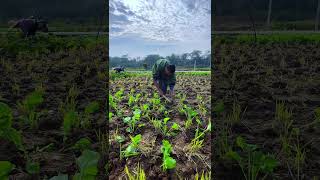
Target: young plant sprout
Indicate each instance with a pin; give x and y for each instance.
(167, 161)
(197, 142)
(132, 121)
(91, 108)
(164, 129)
(138, 175)
(29, 106)
(253, 162)
(133, 148)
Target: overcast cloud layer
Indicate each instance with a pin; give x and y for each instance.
(142, 27)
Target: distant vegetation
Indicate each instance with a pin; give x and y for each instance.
(185, 60)
(71, 15)
(274, 38)
(284, 14)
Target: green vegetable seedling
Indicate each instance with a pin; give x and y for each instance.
(132, 149)
(5, 168)
(167, 161)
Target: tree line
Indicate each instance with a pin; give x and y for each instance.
(189, 60)
(282, 10)
(78, 10)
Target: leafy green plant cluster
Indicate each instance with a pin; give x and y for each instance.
(5, 168)
(167, 161)
(88, 167)
(91, 108)
(6, 130)
(133, 148)
(29, 106)
(163, 127)
(132, 121)
(190, 114)
(253, 162)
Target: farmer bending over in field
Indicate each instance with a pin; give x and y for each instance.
(163, 76)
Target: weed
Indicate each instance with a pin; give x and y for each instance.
(197, 143)
(103, 140)
(204, 176)
(139, 175)
(283, 118)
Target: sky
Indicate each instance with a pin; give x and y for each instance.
(164, 27)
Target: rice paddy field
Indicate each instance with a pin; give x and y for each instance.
(266, 107)
(151, 138)
(53, 108)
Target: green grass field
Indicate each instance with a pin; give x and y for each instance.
(274, 38)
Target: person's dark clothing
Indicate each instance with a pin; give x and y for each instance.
(158, 75)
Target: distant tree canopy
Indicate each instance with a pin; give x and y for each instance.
(54, 9)
(202, 59)
(282, 10)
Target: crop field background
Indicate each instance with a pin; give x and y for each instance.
(266, 110)
(52, 107)
(152, 138)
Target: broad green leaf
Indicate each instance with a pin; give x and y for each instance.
(219, 107)
(234, 155)
(88, 162)
(169, 163)
(165, 120)
(33, 167)
(209, 127)
(69, 120)
(128, 129)
(92, 107)
(120, 139)
(166, 147)
(110, 115)
(34, 99)
(5, 116)
(82, 144)
(175, 126)
(127, 119)
(14, 136)
(5, 168)
(270, 163)
(136, 140)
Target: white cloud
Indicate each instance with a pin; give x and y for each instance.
(161, 20)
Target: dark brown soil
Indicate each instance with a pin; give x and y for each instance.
(56, 72)
(256, 76)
